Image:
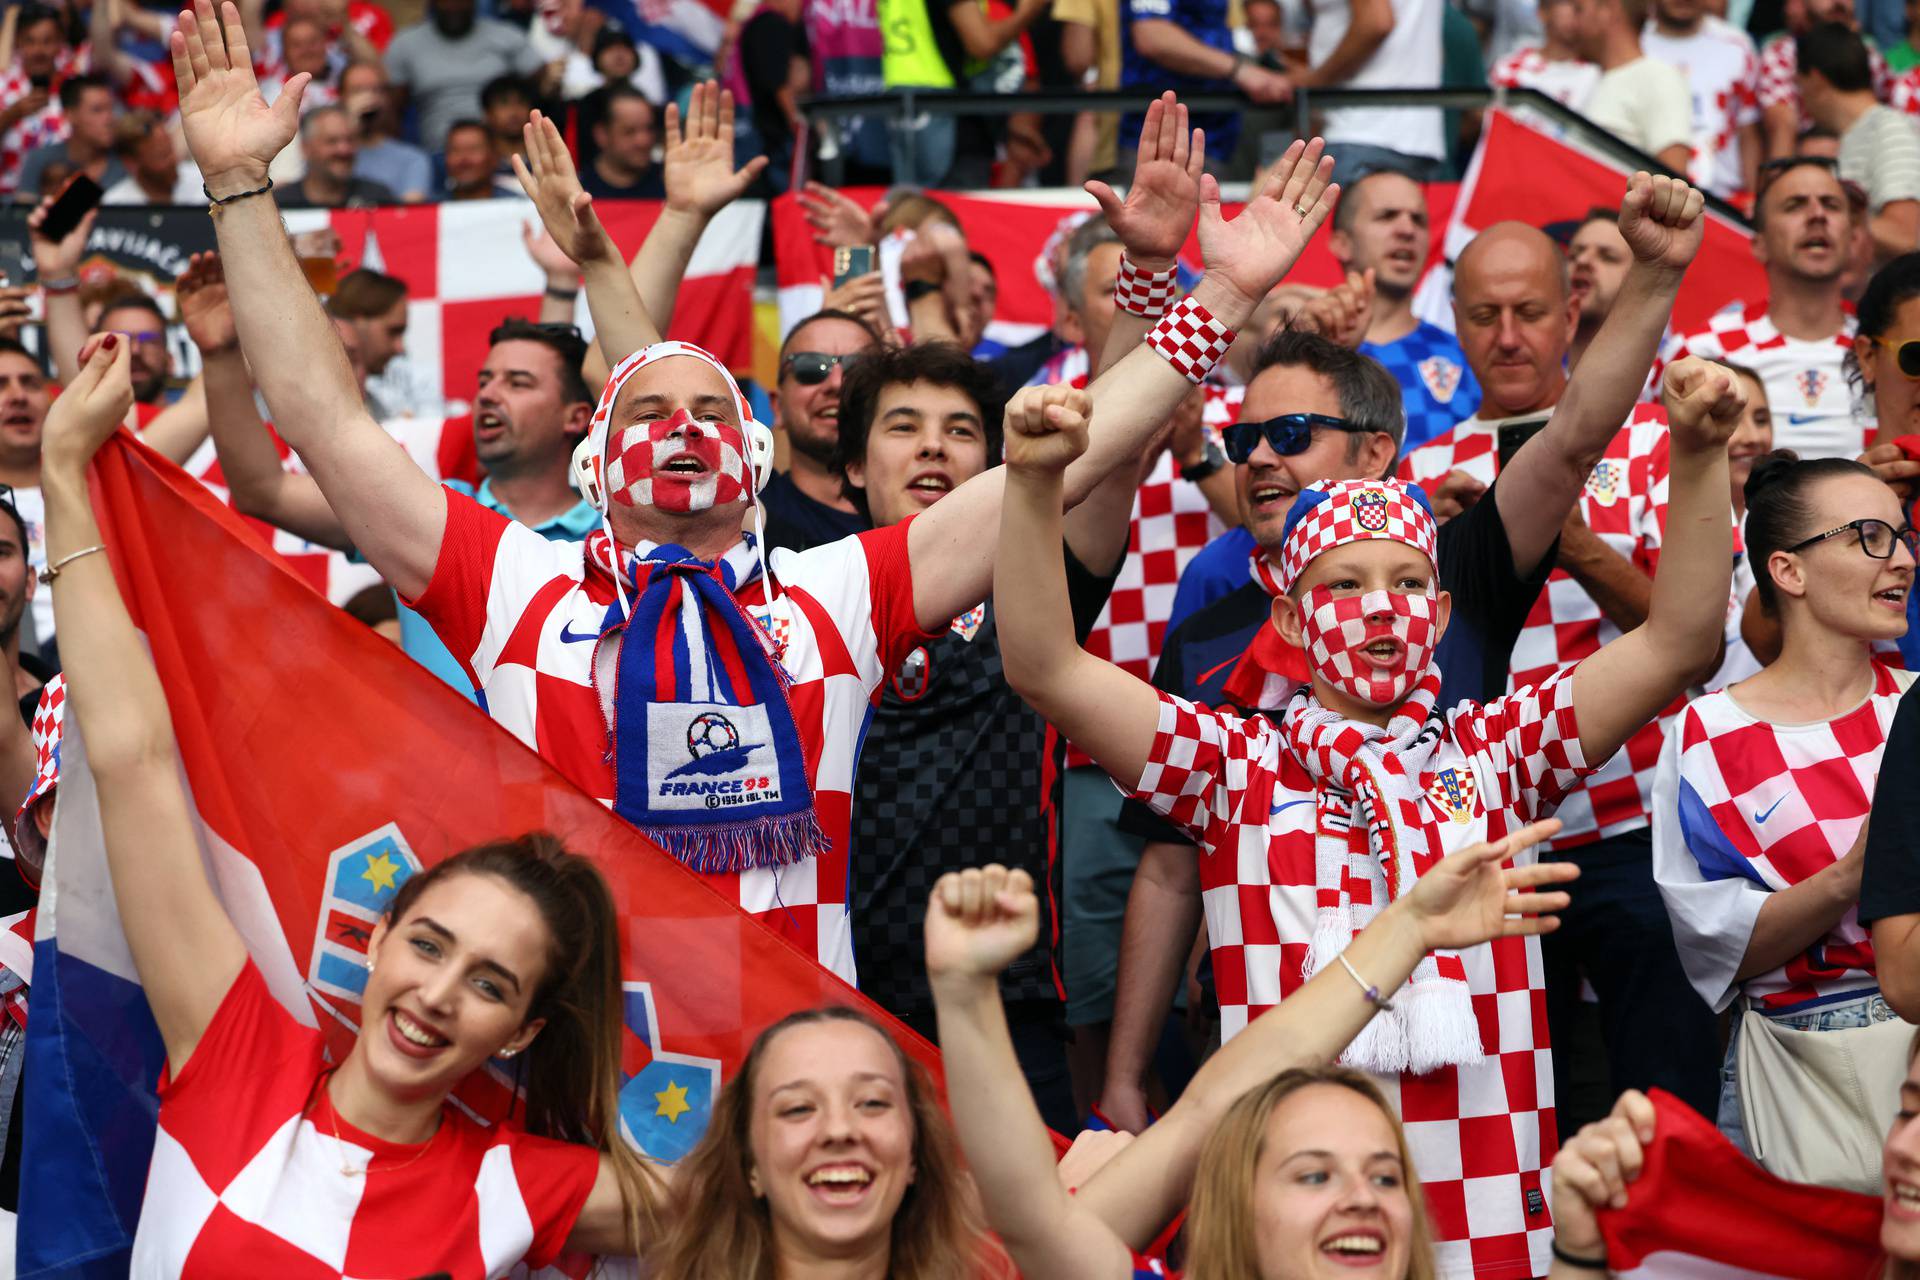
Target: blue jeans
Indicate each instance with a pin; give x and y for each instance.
(922, 148)
(1838, 1015)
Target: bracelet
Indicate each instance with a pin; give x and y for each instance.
(61, 284)
(52, 571)
(1190, 339)
(914, 290)
(1575, 1260)
(214, 202)
(1146, 294)
(1372, 992)
(562, 295)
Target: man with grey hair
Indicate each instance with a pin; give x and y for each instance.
(330, 145)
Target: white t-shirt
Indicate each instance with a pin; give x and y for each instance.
(186, 189)
(1646, 103)
(1409, 58)
(1722, 71)
(1881, 152)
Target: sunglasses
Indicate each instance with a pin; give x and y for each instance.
(1876, 538)
(811, 368)
(1905, 354)
(1286, 435)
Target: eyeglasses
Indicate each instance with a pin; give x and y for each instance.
(1876, 538)
(148, 337)
(1905, 354)
(811, 368)
(1286, 435)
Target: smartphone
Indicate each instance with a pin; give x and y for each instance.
(850, 261)
(41, 83)
(1514, 434)
(80, 197)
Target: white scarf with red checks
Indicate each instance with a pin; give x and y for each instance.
(1374, 836)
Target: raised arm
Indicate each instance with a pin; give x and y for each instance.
(186, 950)
(178, 430)
(56, 263)
(388, 507)
(1626, 683)
(1663, 224)
(952, 544)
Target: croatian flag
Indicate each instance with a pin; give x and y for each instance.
(1701, 1210)
(324, 768)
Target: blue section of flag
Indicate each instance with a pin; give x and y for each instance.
(369, 883)
(341, 973)
(666, 1107)
(93, 1056)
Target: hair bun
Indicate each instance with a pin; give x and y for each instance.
(1769, 469)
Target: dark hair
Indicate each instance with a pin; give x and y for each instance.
(1348, 208)
(980, 259)
(315, 115)
(566, 343)
(1892, 286)
(1773, 170)
(13, 346)
(73, 86)
(134, 302)
(506, 88)
(372, 605)
(621, 91)
(1837, 53)
(32, 15)
(20, 526)
(940, 363)
(829, 313)
(571, 1071)
(363, 294)
(1370, 397)
(1780, 510)
(609, 37)
(467, 123)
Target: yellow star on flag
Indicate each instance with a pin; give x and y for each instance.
(380, 871)
(673, 1103)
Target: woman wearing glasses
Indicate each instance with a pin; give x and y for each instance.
(1763, 788)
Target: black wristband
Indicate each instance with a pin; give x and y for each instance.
(562, 295)
(214, 202)
(918, 289)
(1575, 1260)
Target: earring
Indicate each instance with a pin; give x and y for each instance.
(753, 1184)
(506, 1053)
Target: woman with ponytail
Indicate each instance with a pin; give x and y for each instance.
(1763, 789)
(270, 1159)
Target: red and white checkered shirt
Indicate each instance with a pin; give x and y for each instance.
(247, 1178)
(1778, 61)
(1723, 76)
(1748, 808)
(1481, 1136)
(1813, 406)
(1569, 81)
(45, 126)
(1906, 92)
(521, 615)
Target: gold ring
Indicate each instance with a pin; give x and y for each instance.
(1301, 210)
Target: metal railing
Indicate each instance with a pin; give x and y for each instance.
(906, 105)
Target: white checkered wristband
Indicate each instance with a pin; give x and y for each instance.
(1146, 294)
(1190, 339)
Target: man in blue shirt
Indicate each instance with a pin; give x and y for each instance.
(1381, 225)
(1187, 46)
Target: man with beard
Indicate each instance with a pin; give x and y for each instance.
(807, 504)
(1783, 116)
(442, 64)
(1381, 226)
(1723, 74)
(24, 399)
(17, 582)
(1597, 261)
(1797, 339)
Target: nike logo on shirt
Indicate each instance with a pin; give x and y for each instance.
(1288, 805)
(567, 636)
(1762, 817)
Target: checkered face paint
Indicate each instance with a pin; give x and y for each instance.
(677, 464)
(1338, 630)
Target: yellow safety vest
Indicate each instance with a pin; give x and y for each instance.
(910, 57)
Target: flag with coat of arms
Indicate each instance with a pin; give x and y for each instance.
(323, 769)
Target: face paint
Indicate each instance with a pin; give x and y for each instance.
(1337, 632)
(640, 470)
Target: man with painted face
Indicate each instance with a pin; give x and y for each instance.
(1315, 819)
(1493, 560)
(658, 664)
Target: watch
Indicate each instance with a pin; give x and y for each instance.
(1211, 460)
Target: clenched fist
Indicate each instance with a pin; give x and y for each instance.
(1704, 402)
(1046, 427)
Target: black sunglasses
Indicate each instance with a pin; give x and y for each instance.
(1876, 538)
(811, 368)
(1286, 435)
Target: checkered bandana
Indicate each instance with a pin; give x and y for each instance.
(1336, 629)
(1190, 339)
(1146, 294)
(49, 717)
(1374, 836)
(1333, 513)
(633, 469)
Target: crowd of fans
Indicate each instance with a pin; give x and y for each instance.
(1239, 677)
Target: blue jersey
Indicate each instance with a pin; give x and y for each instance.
(1217, 569)
(1436, 385)
(1205, 21)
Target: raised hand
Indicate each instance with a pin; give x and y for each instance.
(1342, 313)
(231, 131)
(836, 219)
(1704, 402)
(58, 259)
(1468, 898)
(201, 292)
(700, 176)
(1253, 252)
(1046, 427)
(91, 408)
(549, 257)
(1155, 218)
(548, 177)
(1596, 1170)
(864, 296)
(16, 309)
(1661, 221)
(979, 921)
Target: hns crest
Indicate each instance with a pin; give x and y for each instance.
(1442, 377)
(1812, 382)
(1370, 509)
(667, 1098)
(1607, 480)
(362, 878)
(1452, 792)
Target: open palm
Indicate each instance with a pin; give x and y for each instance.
(201, 295)
(1253, 252)
(1154, 219)
(1468, 898)
(700, 176)
(230, 129)
(548, 177)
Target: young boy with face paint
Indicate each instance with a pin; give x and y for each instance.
(1311, 822)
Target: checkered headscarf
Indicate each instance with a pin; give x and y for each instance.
(48, 719)
(1333, 513)
(597, 429)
